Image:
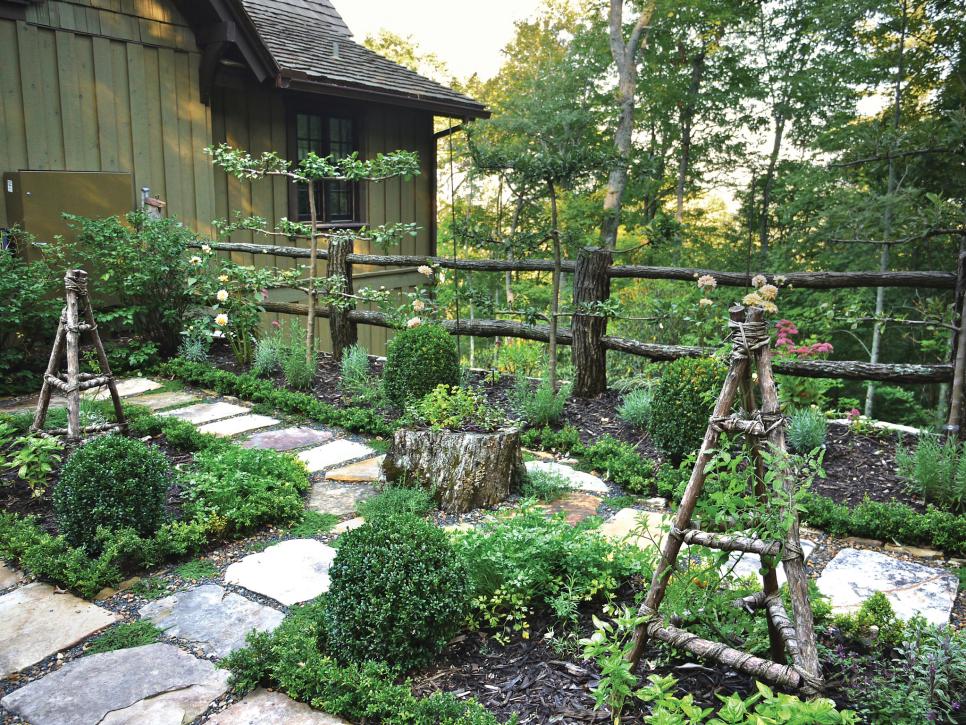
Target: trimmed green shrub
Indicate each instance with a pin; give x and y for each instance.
(635, 407)
(112, 482)
(398, 592)
(807, 429)
(683, 401)
(417, 360)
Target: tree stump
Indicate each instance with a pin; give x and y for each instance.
(465, 471)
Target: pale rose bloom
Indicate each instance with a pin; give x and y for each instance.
(758, 280)
(707, 282)
(221, 320)
(419, 305)
(768, 292)
(752, 299)
(704, 302)
(206, 249)
(770, 307)
(425, 270)
(414, 322)
(223, 278)
(780, 279)
(195, 260)
(222, 295)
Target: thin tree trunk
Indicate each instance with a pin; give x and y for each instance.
(763, 221)
(687, 119)
(555, 294)
(312, 292)
(887, 214)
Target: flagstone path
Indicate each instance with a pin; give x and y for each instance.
(175, 680)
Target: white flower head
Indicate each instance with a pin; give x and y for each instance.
(770, 307)
(222, 295)
(425, 270)
(705, 302)
(768, 292)
(418, 305)
(707, 282)
(196, 260)
(221, 320)
(206, 248)
(759, 280)
(752, 299)
(413, 322)
(222, 277)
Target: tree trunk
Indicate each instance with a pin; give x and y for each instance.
(312, 293)
(555, 293)
(687, 119)
(465, 471)
(341, 327)
(767, 184)
(591, 285)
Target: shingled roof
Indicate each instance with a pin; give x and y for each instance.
(314, 50)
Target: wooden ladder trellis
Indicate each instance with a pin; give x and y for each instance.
(75, 319)
(795, 635)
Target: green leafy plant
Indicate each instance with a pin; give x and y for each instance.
(197, 569)
(456, 408)
(297, 367)
(608, 648)
(807, 429)
(419, 359)
(152, 587)
(635, 407)
(544, 486)
(112, 482)
(268, 355)
(683, 401)
(396, 501)
(398, 592)
(355, 376)
(542, 406)
(874, 624)
(936, 470)
(28, 316)
(313, 524)
(34, 458)
(125, 635)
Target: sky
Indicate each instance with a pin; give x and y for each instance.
(469, 37)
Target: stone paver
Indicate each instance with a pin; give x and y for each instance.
(201, 413)
(348, 525)
(289, 572)
(340, 499)
(160, 401)
(9, 577)
(35, 622)
(576, 479)
(575, 506)
(856, 574)
(156, 684)
(212, 617)
(229, 427)
(29, 404)
(362, 472)
(287, 439)
(262, 707)
(334, 454)
(746, 565)
(643, 528)
(125, 388)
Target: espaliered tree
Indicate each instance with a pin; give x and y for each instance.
(311, 171)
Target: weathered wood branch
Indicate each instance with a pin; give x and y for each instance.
(731, 542)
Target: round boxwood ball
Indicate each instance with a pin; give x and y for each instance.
(682, 404)
(398, 592)
(417, 360)
(114, 482)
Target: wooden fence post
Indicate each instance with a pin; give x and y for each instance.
(956, 425)
(344, 332)
(591, 285)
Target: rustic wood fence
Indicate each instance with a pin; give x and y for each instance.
(593, 270)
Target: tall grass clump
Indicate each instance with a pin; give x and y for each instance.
(936, 471)
(807, 429)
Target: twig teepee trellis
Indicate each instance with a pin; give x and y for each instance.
(75, 319)
(794, 635)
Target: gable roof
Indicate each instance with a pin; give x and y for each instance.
(314, 51)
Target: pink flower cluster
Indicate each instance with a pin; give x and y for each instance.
(784, 343)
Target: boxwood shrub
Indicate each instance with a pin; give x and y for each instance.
(682, 403)
(417, 360)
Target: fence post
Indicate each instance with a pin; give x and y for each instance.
(344, 332)
(591, 284)
(955, 425)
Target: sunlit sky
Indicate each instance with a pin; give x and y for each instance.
(468, 36)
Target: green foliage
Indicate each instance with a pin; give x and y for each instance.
(297, 366)
(313, 524)
(542, 406)
(359, 420)
(565, 440)
(112, 482)
(608, 647)
(937, 471)
(875, 623)
(807, 429)
(683, 401)
(28, 315)
(544, 486)
(398, 592)
(618, 462)
(267, 358)
(124, 635)
(524, 563)
(417, 360)
(242, 489)
(355, 376)
(456, 408)
(397, 501)
(197, 569)
(635, 407)
(34, 458)
(152, 587)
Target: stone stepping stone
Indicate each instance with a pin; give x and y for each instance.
(289, 572)
(854, 575)
(9, 577)
(365, 471)
(575, 506)
(348, 525)
(240, 424)
(125, 388)
(36, 622)
(212, 617)
(748, 565)
(201, 413)
(340, 499)
(262, 707)
(641, 528)
(160, 401)
(287, 439)
(29, 405)
(576, 479)
(148, 685)
(334, 454)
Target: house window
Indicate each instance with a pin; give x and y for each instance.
(336, 202)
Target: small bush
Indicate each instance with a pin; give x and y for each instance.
(807, 430)
(937, 472)
(683, 401)
(542, 406)
(544, 486)
(397, 501)
(456, 408)
(113, 482)
(125, 635)
(875, 623)
(297, 367)
(635, 407)
(268, 356)
(355, 376)
(417, 360)
(398, 592)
